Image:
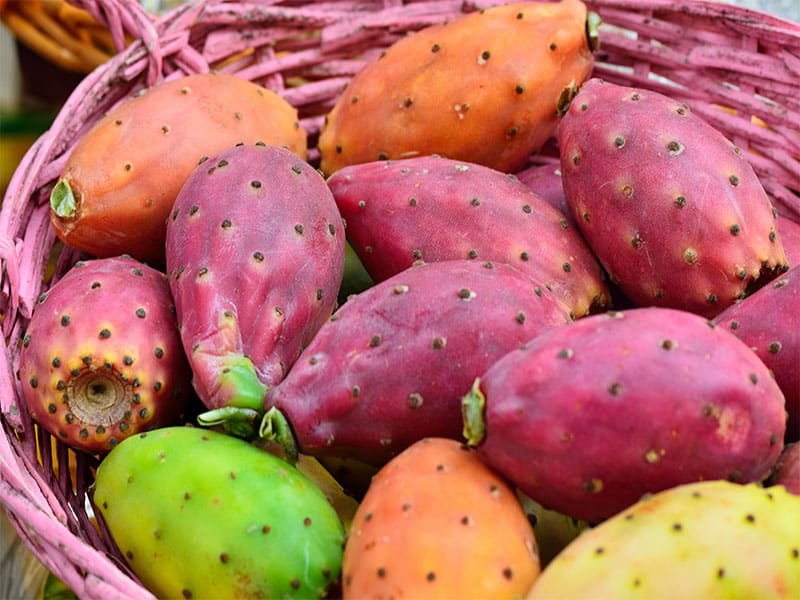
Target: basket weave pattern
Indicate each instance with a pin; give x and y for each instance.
(737, 68)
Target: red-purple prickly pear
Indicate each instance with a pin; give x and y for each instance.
(101, 358)
(545, 180)
(432, 208)
(787, 469)
(672, 209)
(391, 365)
(255, 254)
(586, 419)
(768, 321)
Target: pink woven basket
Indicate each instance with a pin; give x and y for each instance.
(736, 67)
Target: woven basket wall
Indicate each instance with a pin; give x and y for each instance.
(737, 68)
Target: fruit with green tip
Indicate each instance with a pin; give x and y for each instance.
(432, 208)
(255, 254)
(116, 189)
(586, 419)
(436, 522)
(391, 364)
(711, 539)
(200, 514)
(101, 358)
(671, 207)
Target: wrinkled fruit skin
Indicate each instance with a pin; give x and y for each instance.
(586, 419)
(392, 363)
(101, 358)
(485, 87)
(201, 514)
(432, 208)
(672, 209)
(768, 321)
(438, 523)
(126, 172)
(787, 469)
(255, 255)
(712, 539)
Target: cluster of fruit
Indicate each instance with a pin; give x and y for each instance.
(609, 343)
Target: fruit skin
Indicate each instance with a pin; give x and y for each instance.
(198, 513)
(433, 208)
(484, 88)
(118, 185)
(787, 470)
(768, 321)
(711, 539)
(255, 256)
(586, 419)
(672, 209)
(436, 522)
(545, 180)
(101, 358)
(391, 365)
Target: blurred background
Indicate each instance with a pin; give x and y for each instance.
(37, 72)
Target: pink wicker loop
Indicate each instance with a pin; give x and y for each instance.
(736, 67)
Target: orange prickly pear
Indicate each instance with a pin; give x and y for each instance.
(118, 185)
(436, 522)
(484, 88)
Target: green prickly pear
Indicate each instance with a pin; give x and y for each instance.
(201, 514)
(712, 539)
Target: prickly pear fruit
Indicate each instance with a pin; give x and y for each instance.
(118, 185)
(586, 419)
(433, 208)
(201, 514)
(255, 255)
(101, 358)
(672, 208)
(545, 180)
(392, 363)
(711, 539)
(485, 87)
(768, 321)
(436, 522)
(787, 469)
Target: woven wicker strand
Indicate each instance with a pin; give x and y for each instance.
(736, 67)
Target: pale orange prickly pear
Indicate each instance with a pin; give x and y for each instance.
(485, 88)
(436, 522)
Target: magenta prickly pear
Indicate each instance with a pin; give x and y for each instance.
(790, 238)
(545, 180)
(392, 363)
(255, 254)
(672, 208)
(787, 469)
(101, 358)
(586, 419)
(768, 321)
(432, 208)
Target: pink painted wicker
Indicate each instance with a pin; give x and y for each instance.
(738, 68)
